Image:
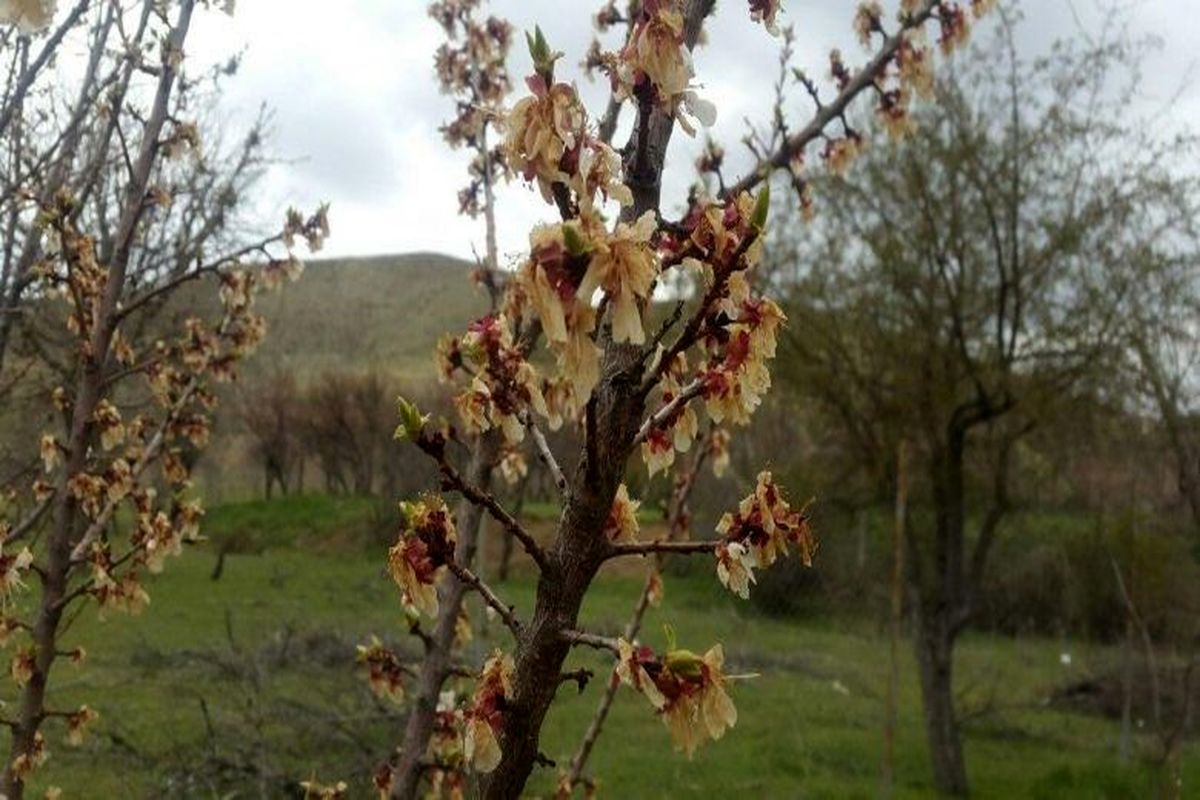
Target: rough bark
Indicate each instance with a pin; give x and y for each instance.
(578, 553)
(939, 611)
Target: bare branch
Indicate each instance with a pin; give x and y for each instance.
(489, 596)
(665, 414)
(546, 454)
(665, 548)
(582, 639)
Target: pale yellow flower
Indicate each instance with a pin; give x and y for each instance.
(625, 266)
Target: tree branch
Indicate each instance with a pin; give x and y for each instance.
(582, 639)
(668, 412)
(546, 454)
(665, 548)
(489, 596)
(864, 79)
(452, 479)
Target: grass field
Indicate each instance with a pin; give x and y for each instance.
(242, 686)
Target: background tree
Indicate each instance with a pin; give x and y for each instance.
(271, 412)
(961, 284)
(1162, 329)
(129, 408)
(75, 136)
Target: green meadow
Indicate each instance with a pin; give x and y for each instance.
(244, 685)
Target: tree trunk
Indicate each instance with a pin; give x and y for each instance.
(934, 644)
(579, 551)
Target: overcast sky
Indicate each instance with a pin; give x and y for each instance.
(357, 108)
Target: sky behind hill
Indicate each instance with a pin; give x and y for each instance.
(357, 108)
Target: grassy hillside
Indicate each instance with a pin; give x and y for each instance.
(381, 312)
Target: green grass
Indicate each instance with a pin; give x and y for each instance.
(311, 520)
(543, 511)
(263, 658)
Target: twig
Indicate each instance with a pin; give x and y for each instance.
(490, 597)
(26, 525)
(580, 677)
(416, 630)
(863, 79)
(648, 548)
(546, 454)
(582, 639)
(668, 412)
(453, 479)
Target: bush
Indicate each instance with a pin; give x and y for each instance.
(1065, 583)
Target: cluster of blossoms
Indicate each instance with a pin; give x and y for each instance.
(734, 385)
(471, 67)
(445, 761)
(910, 72)
(385, 670)
(315, 790)
(568, 263)
(24, 764)
(622, 524)
(677, 429)
(765, 11)
(484, 715)
(758, 534)
(425, 546)
(547, 132)
(738, 329)
(13, 568)
(504, 385)
(655, 66)
(687, 690)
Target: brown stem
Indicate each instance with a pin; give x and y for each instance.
(489, 596)
(452, 479)
(864, 79)
(649, 548)
(594, 640)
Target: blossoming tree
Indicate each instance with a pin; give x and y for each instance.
(114, 500)
(584, 293)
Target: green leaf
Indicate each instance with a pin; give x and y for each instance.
(411, 420)
(762, 205)
(573, 240)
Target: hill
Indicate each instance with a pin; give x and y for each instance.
(381, 313)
